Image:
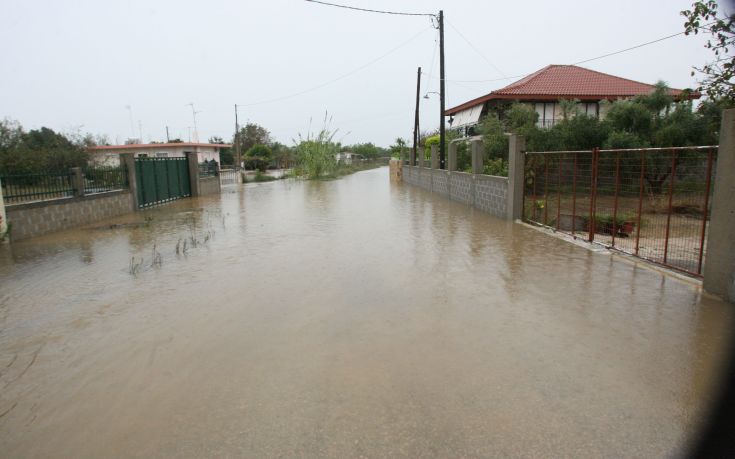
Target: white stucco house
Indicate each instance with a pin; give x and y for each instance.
(109, 155)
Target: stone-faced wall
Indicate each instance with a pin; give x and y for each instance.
(461, 187)
(484, 192)
(208, 185)
(39, 218)
(491, 194)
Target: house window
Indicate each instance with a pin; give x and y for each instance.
(161, 155)
(546, 112)
(590, 109)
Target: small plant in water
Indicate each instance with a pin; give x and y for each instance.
(317, 152)
(135, 266)
(157, 257)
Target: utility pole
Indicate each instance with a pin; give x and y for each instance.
(441, 90)
(140, 129)
(416, 118)
(237, 141)
(167, 137)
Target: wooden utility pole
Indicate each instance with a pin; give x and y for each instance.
(416, 119)
(441, 91)
(237, 141)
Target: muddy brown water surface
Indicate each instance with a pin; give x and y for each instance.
(349, 318)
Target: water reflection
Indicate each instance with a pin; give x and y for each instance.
(342, 318)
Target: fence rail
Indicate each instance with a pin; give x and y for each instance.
(653, 203)
(101, 179)
(20, 188)
(229, 176)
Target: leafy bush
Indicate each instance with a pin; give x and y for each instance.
(260, 155)
(317, 154)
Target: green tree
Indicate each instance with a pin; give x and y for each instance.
(398, 149)
(260, 156)
(718, 74)
(282, 155)
(367, 150)
(251, 134)
(225, 154)
(39, 149)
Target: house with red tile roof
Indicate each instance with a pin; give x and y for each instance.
(544, 88)
(109, 155)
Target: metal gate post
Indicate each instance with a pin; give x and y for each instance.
(593, 194)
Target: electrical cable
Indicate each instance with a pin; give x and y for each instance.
(319, 86)
(583, 61)
(476, 50)
(371, 11)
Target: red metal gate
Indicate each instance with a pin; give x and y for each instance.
(653, 203)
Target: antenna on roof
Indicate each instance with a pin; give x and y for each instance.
(194, 115)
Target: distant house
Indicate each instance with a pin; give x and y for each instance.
(109, 155)
(544, 88)
(347, 157)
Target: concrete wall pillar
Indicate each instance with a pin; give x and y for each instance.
(128, 160)
(452, 160)
(719, 267)
(193, 158)
(3, 217)
(78, 181)
(435, 156)
(516, 176)
(412, 158)
(476, 148)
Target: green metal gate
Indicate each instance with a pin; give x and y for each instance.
(161, 180)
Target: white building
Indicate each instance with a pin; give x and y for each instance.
(347, 157)
(109, 155)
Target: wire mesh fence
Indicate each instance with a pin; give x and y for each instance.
(101, 179)
(21, 188)
(653, 203)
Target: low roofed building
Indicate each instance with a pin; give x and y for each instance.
(544, 88)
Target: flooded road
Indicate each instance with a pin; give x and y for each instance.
(349, 318)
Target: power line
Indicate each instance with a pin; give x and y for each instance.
(475, 49)
(319, 86)
(631, 48)
(371, 11)
(583, 61)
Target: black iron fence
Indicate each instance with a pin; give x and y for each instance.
(208, 169)
(101, 179)
(47, 185)
(19, 188)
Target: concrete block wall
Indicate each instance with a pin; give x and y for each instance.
(461, 187)
(39, 218)
(440, 182)
(209, 185)
(484, 192)
(491, 194)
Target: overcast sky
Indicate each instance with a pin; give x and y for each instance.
(76, 65)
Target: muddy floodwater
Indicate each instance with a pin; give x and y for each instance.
(347, 318)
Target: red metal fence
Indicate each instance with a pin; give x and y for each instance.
(653, 203)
